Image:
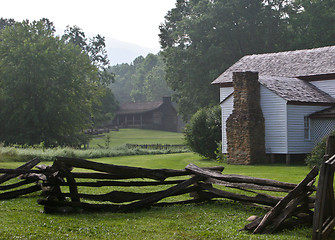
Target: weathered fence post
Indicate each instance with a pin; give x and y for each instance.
(330, 147)
(324, 209)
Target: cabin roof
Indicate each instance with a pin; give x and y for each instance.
(138, 107)
(295, 90)
(300, 63)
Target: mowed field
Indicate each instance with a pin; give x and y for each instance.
(137, 136)
(23, 218)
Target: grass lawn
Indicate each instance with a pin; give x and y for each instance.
(137, 136)
(23, 218)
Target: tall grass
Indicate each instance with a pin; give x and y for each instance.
(24, 154)
(109, 145)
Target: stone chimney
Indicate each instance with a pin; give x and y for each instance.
(245, 126)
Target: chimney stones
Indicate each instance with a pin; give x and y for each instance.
(245, 126)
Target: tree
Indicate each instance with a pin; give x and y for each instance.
(202, 38)
(6, 22)
(47, 85)
(155, 86)
(142, 80)
(95, 49)
(203, 133)
(105, 109)
(313, 23)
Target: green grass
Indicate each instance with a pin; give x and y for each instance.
(137, 136)
(23, 218)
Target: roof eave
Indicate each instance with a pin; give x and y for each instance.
(311, 103)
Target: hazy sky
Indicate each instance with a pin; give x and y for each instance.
(133, 21)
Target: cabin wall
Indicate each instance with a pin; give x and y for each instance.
(169, 118)
(274, 112)
(226, 110)
(327, 86)
(225, 92)
(297, 144)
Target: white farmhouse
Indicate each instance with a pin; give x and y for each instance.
(297, 98)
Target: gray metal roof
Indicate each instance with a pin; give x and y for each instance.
(308, 62)
(295, 90)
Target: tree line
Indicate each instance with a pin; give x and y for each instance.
(200, 39)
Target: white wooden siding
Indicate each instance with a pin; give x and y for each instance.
(327, 86)
(297, 144)
(274, 112)
(225, 92)
(226, 110)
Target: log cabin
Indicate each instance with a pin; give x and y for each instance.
(159, 115)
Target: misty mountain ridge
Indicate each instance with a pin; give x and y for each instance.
(123, 52)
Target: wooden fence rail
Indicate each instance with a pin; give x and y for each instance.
(158, 146)
(14, 190)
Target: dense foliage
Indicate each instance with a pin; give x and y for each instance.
(202, 38)
(142, 80)
(49, 85)
(203, 133)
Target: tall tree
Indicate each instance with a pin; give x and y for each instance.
(202, 38)
(313, 23)
(105, 107)
(142, 80)
(47, 85)
(95, 47)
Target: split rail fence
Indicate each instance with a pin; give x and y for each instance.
(65, 190)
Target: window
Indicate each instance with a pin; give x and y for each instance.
(306, 128)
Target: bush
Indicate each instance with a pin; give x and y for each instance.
(220, 157)
(203, 133)
(315, 158)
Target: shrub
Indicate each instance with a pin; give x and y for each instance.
(220, 157)
(203, 133)
(315, 158)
